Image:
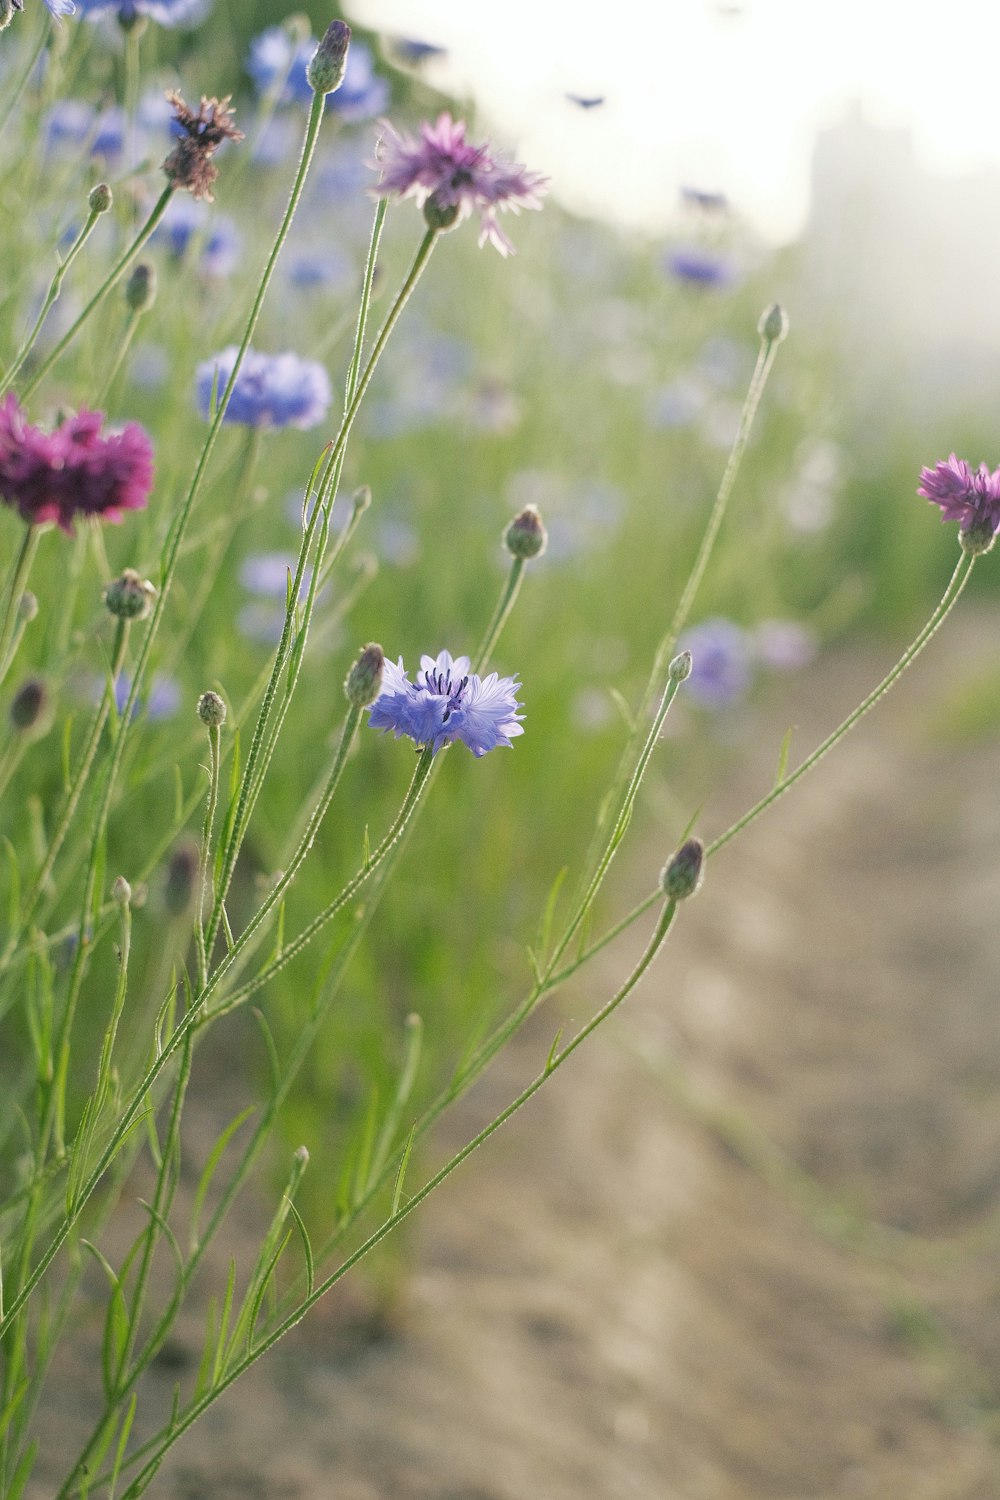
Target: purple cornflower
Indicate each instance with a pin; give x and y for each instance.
(73, 471)
(272, 390)
(449, 178)
(448, 703)
(971, 499)
(165, 12)
(720, 654)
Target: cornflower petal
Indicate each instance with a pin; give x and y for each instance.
(448, 703)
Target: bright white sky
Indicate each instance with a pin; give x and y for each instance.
(717, 94)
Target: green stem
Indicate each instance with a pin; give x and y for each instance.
(206, 849)
(957, 583)
(357, 385)
(17, 92)
(505, 604)
(114, 275)
(401, 1212)
(18, 581)
(51, 297)
(86, 761)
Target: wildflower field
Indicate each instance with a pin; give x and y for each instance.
(395, 565)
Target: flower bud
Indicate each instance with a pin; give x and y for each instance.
(326, 68)
(978, 538)
(211, 710)
(27, 606)
(30, 707)
(364, 680)
(130, 597)
(100, 198)
(526, 535)
(681, 876)
(773, 325)
(121, 892)
(680, 668)
(140, 287)
(361, 499)
(182, 872)
(438, 215)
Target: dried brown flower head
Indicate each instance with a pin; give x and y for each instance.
(188, 165)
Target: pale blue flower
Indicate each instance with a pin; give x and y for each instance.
(721, 670)
(272, 390)
(447, 703)
(165, 12)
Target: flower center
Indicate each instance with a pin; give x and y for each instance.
(436, 681)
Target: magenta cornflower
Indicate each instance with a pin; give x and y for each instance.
(970, 498)
(73, 471)
(447, 703)
(450, 178)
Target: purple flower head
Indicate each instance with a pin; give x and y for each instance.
(272, 390)
(720, 654)
(971, 499)
(73, 471)
(449, 176)
(165, 12)
(448, 703)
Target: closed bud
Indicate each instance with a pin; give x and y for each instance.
(130, 597)
(326, 67)
(680, 668)
(140, 287)
(526, 535)
(30, 707)
(182, 872)
(27, 606)
(364, 680)
(121, 892)
(100, 198)
(681, 876)
(438, 215)
(361, 499)
(773, 325)
(211, 710)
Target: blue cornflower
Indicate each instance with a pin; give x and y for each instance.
(166, 12)
(721, 670)
(699, 267)
(272, 390)
(275, 55)
(56, 7)
(447, 703)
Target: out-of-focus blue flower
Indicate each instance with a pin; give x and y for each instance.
(783, 645)
(267, 573)
(699, 267)
(165, 12)
(448, 703)
(411, 52)
(108, 140)
(277, 142)
(363, 93)
(272, 390)
(275, 55)
(721, 670)
(330, 267)
(188, 218)
(677, 404)
(60, 7)
(162, 701)
(69, 122)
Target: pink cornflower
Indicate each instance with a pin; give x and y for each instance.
(970, 498)
(73, 471)
(449, 178)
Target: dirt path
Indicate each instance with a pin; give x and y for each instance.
(743, 1247)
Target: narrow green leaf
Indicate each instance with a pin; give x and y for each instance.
(208, 1172)
(549, 910)
(623, 708)
(404, 1161)
(123, 1438)
(306, 1248)
(22, 1473)
(219, 1363)
(553, 1050)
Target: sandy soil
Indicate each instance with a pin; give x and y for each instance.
(746, 1246)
